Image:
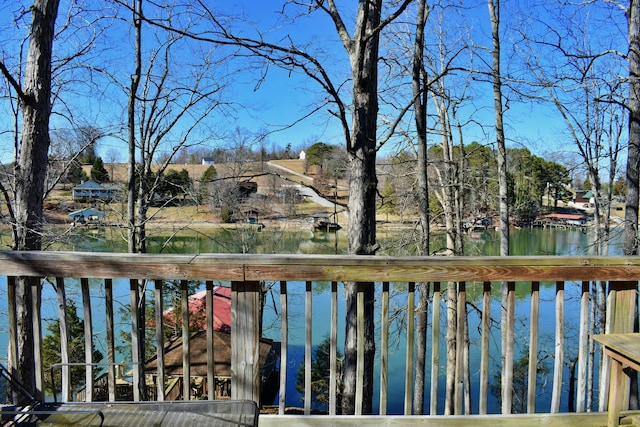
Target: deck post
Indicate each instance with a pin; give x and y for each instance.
(623, 316)
(245, 340)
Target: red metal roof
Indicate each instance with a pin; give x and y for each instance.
(221, 309)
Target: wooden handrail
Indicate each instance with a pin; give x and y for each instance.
(245, 272)
(233, 267)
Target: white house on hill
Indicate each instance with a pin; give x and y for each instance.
(93, 190)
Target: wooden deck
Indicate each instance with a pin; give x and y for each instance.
(597, 419)
(449, 281)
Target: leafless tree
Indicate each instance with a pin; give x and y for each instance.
(507, 324)
(34, 93)
(362, 47)
(168, 103)
(579, 74)
(633, 155)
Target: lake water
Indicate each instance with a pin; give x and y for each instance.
(524, 242)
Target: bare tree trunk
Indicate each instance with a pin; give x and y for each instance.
(452, 329)
(363, 53)
(420, 96)
(631, 204)
(633, 156)
(420, 99)
(30, 174)
(494, 10)
(135, 82)
(134, 240)
(507, 360)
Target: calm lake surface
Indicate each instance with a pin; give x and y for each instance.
(244, 240)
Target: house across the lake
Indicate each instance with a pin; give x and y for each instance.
(583, 198)
(93, 190)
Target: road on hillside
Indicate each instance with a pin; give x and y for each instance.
(309, 192)
(289, 171)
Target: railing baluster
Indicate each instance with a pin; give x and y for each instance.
(333, 350)
(36, 295)
(159, 339)
(64, 341)
(384, 348)
(12, 351)
(211, 360)
(583, 348)
(88, 338)
(533, 347)
(284, 337)
(408, 374)
(360, 349)
(136, 357)
(111, 353)
(507, 351)
(186, 342)
(435, 349)
(460, 345)
(605, 369)
(484, 353)
(558, 364)
(465, 365)
(246, 321)
(307, 349)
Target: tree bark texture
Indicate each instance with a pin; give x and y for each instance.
(507, 363)
(131, 117)
(363, 54)
(630, 245)
(420, 99)
(30, 174)
(633, 155)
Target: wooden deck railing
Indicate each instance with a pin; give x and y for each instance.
(449, 278)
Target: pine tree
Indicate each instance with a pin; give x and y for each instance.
(98, 171)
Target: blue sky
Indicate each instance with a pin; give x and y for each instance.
(283, 98)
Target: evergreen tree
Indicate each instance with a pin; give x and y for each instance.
(98, 171)
(203, 188)
(76, 174)
(174, 183)
(318, 153)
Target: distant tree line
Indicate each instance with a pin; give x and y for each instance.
(535, 185)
